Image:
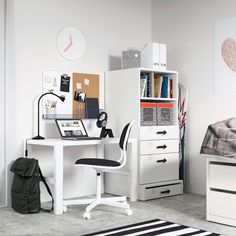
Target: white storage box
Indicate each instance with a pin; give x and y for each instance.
(154, 56)
(131, 59)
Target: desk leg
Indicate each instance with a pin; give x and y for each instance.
(58, 180)
(133, 172)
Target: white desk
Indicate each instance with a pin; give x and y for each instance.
(58, 146)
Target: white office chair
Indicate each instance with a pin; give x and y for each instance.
(101, 165)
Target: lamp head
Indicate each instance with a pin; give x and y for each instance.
(62, 98)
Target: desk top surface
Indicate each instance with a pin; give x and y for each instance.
(58, 141)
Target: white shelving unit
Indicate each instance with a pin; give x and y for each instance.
(158, 149)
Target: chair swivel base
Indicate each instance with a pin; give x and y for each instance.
(113, 201)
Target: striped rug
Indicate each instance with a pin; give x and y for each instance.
(154, 227)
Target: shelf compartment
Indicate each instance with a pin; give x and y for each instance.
(158, 85)
(157, 99)
(161, 113)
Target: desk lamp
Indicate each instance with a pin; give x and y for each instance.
(62, 98)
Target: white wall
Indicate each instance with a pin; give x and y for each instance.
(186, 26)
(2, 102)
(32, 29)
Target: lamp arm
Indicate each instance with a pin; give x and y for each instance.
(39, 105)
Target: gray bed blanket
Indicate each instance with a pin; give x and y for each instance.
(220, 139)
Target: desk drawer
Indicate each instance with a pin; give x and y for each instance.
(158, 168)
(159, 132)
(159, 146)
(222, 176)
(222, 204)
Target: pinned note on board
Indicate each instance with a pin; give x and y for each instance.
(78, 86)
(65, 83)
(86, 81)
(47, 79)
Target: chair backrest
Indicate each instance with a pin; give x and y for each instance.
(125, 136)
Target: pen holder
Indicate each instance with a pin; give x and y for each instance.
(51, 110)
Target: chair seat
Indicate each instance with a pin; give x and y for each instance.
(97, 162)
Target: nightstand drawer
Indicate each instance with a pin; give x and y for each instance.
(159, 146)
(159, 132)
(222, 176)
(158, 168)
(222, 204)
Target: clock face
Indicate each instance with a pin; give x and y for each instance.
(70, 43)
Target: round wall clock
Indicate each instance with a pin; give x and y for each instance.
(70, 43)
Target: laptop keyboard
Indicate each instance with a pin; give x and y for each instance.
(81, 138)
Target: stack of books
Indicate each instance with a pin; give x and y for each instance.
(156, 85)
(163, 86)
(147, 85)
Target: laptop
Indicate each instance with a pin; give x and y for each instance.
(73, 129)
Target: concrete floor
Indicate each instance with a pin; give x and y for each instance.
(188, 209)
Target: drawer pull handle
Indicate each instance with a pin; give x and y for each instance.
(161, 132)
(163, 160)
(163, 147)
(166, 191)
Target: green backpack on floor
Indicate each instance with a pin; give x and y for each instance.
(25, 190)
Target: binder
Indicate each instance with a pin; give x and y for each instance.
(162, 57)
(157, 85)
(143, 85)
(160, 87)
(164, 89)
(150, 56)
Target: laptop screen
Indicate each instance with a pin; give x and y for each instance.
(71, 128)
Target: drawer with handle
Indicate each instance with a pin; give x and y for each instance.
(158, 168)
(222, 204)
(222, 176)
(159, 132)
(159, 146)
(158, 191)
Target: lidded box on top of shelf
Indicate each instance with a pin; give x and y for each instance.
(131, 59)
(153, 56)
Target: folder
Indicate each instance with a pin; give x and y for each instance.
(162, 57)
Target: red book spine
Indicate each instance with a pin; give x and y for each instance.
(171, 88)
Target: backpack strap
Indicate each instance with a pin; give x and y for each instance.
(48, 189)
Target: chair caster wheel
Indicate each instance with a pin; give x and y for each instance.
(65, 209)
(87, 215)
(129, 212)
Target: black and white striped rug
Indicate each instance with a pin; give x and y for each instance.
(154, 227)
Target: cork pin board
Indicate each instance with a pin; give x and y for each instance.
(85, 83)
